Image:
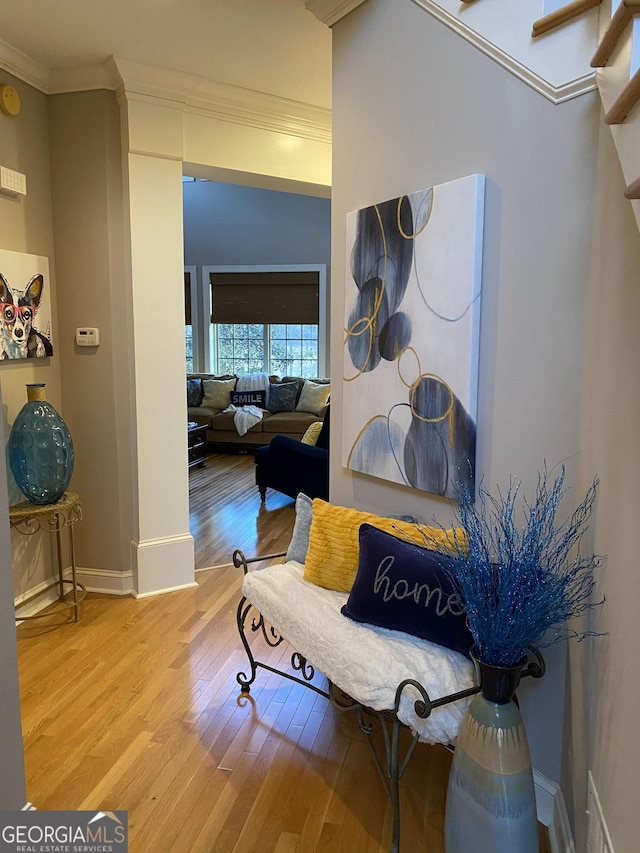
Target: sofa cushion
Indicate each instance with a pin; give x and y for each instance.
(404, 587)
(224, 422)
(313, 397)
(289, 423)
(282, 397)
(194, 392)
(217, 392)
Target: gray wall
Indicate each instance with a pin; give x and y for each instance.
(12, 781)
(86, 179)
(243, 225)
(232, 224)
(415, 106)
(25, 226)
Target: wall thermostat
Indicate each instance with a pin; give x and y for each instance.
(88, 337)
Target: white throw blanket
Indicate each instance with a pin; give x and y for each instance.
(254, 382)
(367, 663)
(247, 416)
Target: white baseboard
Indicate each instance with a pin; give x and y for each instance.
(163, 565)
(39, 602)
(552, 813)
(105, 581)
(163, 591)
(94, 580)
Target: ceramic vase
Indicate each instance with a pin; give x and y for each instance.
(491, 805)
(40, 449)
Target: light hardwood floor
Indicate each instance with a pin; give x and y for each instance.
(226, 511)
(136, 707)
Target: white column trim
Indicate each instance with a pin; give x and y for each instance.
(163, 565)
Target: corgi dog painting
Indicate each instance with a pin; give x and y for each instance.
(20, 336)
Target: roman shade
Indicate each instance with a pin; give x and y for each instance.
(265, 297)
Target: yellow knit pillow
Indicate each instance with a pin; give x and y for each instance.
(312, 432)
(332, 557)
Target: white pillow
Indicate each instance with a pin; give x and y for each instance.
(313, 397)
(217, 392)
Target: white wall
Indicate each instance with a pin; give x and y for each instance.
(414, 106)
(606, 692)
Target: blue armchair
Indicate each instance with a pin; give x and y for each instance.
(291, 467)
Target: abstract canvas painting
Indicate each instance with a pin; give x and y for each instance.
(25, 306)
(412, 311)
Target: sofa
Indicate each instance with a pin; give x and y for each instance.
(293, 404)
(290, 466)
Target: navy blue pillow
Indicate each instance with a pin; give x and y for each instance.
(405, 587)
(194, 392)
(282, 397)
(249, 398)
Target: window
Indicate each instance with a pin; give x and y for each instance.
(293, 349)
(239, 347)
(188, 340)
(189, 316)
(283, 348)
(267, 318)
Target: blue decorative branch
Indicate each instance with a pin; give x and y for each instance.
(520, 582)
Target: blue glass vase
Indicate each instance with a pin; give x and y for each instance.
(40, 450)
(491, 804)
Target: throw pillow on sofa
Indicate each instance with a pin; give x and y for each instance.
(282, 397)
(217, 392)
(313, 397)
(194, 392)
(311, 433)
(249, 398)
(403, 587)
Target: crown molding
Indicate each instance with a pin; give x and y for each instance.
(331, 11)
(83, 78)
(201, 96)
(23, 68)
(187, 92)
(504, 34)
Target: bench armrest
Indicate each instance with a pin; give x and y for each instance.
(241, 561)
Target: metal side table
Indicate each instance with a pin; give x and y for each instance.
(28, 518)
